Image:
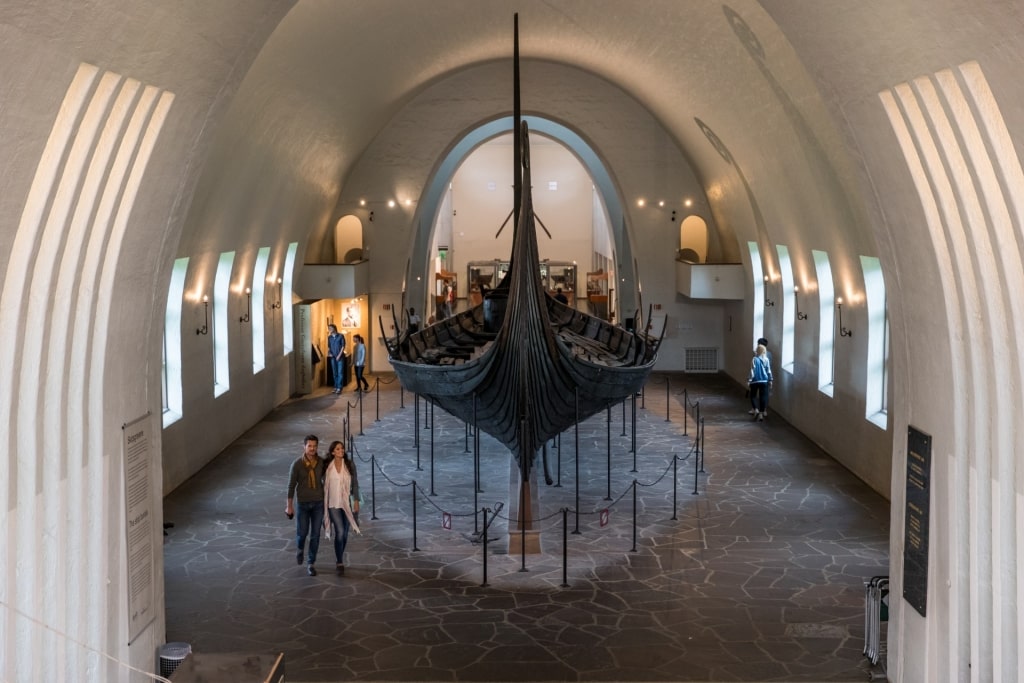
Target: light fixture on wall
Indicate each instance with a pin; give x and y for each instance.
(277, 304)
(843, 332)
(796, 301)
(248, 306)
(205, 329)
(767, 301)
(371, 217)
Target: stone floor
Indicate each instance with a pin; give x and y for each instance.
(759, 577)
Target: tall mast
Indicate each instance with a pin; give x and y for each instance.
(517, 135)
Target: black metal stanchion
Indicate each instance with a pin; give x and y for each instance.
(426, 414)
(696, 470)
(633, 428)
(686, 410)
(348, 420)
(668, 401)
(415, 547)
(623, 418)
(576, 460)
(609, 440)
(484, 584)
(373, 487)
(376, 388)
(416, 428)
(432, 451)
(675, 484)
(633, 549)
(643, 396)
(466, 447)
(558, 464)
(401, 395)
(360, 413)
(565, 548)
(702, 444)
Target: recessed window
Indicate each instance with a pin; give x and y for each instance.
(221, 292)
(877, 347)
(259, 297)
(759, 290)
(172, 400)
(788, 313)
(285, 291)
(826, 324)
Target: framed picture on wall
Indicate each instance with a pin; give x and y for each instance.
(350, 316)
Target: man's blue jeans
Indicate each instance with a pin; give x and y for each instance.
(309, 522)
(336, 368)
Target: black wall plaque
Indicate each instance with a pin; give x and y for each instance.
(915, 532)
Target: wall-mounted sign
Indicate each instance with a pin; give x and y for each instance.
(915, 532)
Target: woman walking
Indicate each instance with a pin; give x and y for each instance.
(341, 500)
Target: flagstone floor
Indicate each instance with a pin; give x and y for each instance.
(757, 577)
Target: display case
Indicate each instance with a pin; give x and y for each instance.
(481, 276)
(597, 294)
(555, 275)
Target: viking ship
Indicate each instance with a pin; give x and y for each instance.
(521, 365)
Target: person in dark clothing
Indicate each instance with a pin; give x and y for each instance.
(306, 485)
(760, 379)
(336, 352)
(561, 297)
(754, 408)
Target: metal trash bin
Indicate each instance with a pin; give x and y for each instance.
(171, 656)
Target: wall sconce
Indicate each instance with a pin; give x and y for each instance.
(673, 219)
(371, 216)
(767, 301)
(248, 306)
(843, 332)
(277, 304)
(796, 300)
(205, 329)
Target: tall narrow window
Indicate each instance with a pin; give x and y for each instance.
(259, 295)
(286, 298)
(878, 333)
(172, 408)
(221, 291)
(788, 307)
(757, 272)
(826, 324)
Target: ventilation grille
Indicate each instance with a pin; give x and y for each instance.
(702, 360)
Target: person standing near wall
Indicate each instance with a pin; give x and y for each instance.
(306, 484)
(753, 405)
(336, 351)
(414, 321)
(760, 379)
(359, 360)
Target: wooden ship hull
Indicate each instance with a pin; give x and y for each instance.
(521, 365)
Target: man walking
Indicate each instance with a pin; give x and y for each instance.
(306, 484)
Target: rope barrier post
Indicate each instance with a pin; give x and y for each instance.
(466, 447)
(484, 584)
(633, 549)
(675, 484)
(643, 397)
(360, 413)
(376, 387)
(696, 470)
(702, 444)
(558, 463)
(416, 424)
(426, 414)
(432, 453)
(668, 402)
(401, 395)
(565, 547)
(686, 410)
(576, 460)
(415, 547)
(623, 418)
(417, 428)
(348, 419)
(633, 436)
(609, 496)
(373, 487)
